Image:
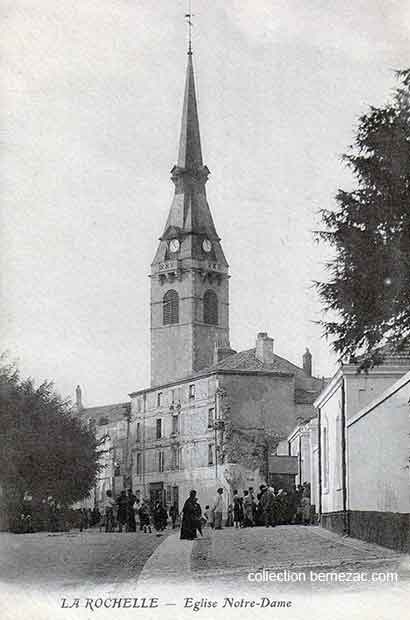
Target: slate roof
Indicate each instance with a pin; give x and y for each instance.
(392, 356)
(306, 388)
(306, 397)
(247, 360)
(113, 413)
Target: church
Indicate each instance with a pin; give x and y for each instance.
(211, 416)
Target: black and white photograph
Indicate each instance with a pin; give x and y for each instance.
(205, 335)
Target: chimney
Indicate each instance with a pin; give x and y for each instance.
(78, 400)
(264, 348)
(307, 362)
(222, 350)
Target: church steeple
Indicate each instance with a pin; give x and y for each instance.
(190, 153)
(189, 274)
(189, 219)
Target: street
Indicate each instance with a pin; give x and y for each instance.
(228, 568)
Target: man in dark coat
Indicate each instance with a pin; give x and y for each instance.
(189, 517)
(131, 524)
(122, 510)
(173, 513)
(266, 503)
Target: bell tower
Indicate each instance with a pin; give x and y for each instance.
(189, 274)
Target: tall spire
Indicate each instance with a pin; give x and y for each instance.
(189, 266)
(190, 153)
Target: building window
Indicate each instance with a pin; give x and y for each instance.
(170, 307)
(192, 391)
(211, 417)
(325, 458)
(161, 461)
(139, 405)
(159, 399)
(175, 424)
(174, 458)
(168, 494)
(338, 451)
(159, 429)
(210, 454)
(138, 433)
(362, 396)
(210, 308)
(138, 464)
(172, 396)
(122, 430)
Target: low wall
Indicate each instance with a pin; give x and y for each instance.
(388, 529)
(333, 521)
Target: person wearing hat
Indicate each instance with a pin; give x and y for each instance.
(217, 509)
(189, 517)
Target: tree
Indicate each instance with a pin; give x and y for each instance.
(44, 449)
(367, 297)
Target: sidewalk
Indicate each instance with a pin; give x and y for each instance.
(283, 547)
(231, 554)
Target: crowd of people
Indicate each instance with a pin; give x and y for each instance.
(269, 507)
(39, 514)
(121, 514)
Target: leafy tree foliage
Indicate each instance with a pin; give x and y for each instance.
(367, 296)
(44, 449)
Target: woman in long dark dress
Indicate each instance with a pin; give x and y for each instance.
(189, 518)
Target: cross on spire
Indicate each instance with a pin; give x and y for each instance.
(188, 17)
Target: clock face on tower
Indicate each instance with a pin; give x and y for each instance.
(206, 245)
(174, 245)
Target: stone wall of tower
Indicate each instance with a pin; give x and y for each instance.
(178, 350)
(171, 345)
(206, 336)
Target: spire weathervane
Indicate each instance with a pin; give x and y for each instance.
(188, 17)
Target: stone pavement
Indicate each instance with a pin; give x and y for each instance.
(210, 574)
(230, 554)
(74, 559)
(215, 569)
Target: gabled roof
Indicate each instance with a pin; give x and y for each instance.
(306, 388)
(247, 361)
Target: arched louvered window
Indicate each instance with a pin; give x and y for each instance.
(210, 308)
(170, 307)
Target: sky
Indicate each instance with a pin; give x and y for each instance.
(92, 96)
